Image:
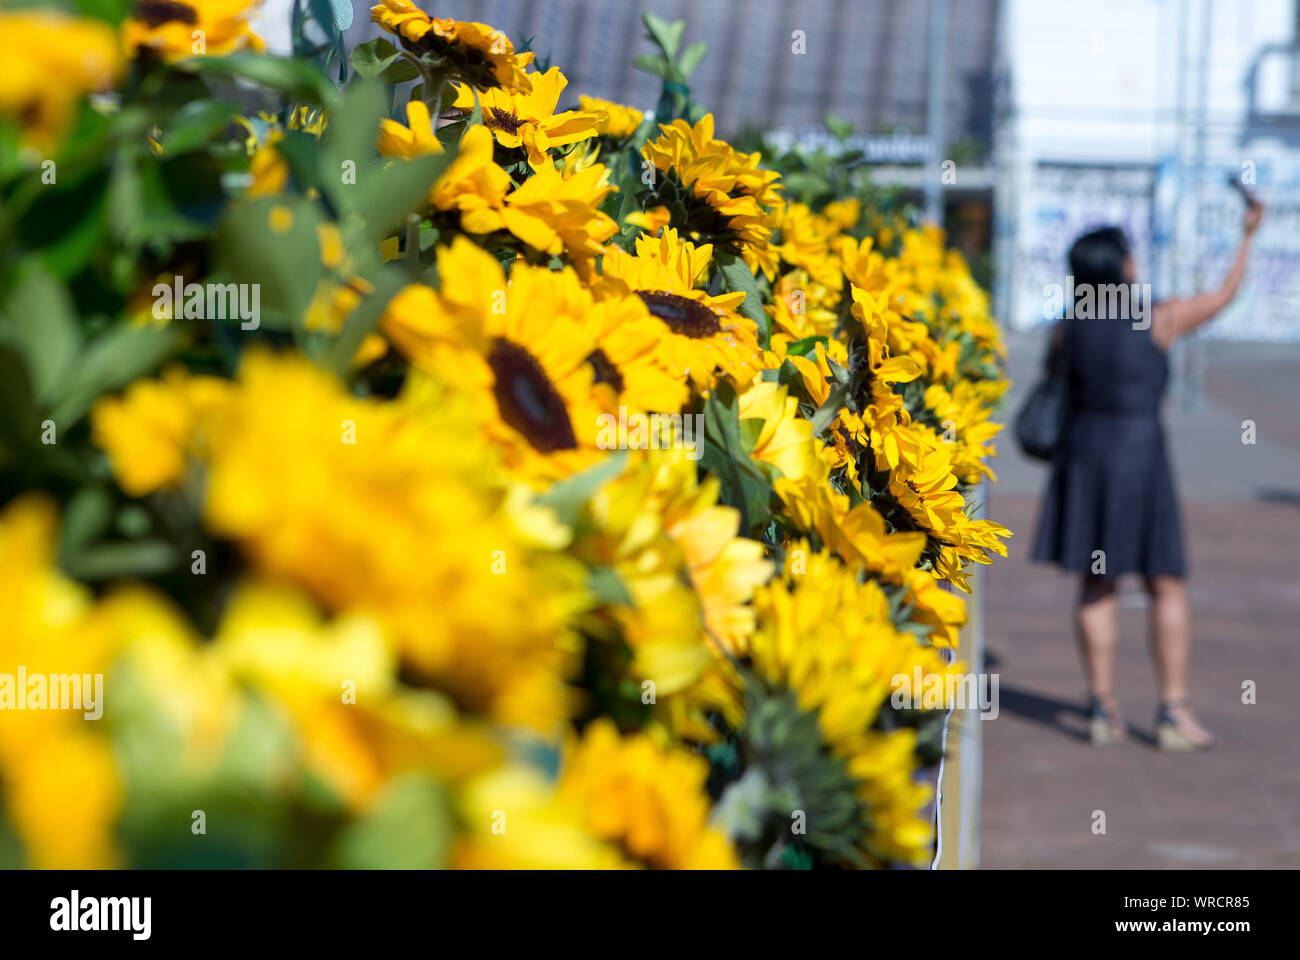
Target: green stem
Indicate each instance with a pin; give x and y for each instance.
(413, 244)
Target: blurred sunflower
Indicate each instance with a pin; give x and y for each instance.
(59, 784)
(645, 798)
(824, 661)
(177, 29)
(50, 62)
(416, 139)
(153, 430)
(703, 334)
(474, 52)
(420, 483)
(806, 244)
(337, 680)
(858, 534)
(512, 819)
(619, 121)
(801, 308)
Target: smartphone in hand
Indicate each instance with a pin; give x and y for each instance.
(1246, 194)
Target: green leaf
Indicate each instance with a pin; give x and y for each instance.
(66, 222)
(827, 412)
(342, 12)
(19, 420)
(839, 128)
(668, 35)
(402, 188)
(350, 138)
(653, 63)
(379, 60)
(806, 346)
(411, 827)
(738, 276)
(111, 11)
(364, 318)
(297, 78)
(107, 561)
(691, 58)
(607, 587)
(195, 124)
(86, 519)
(118, 356)
(568, 496)
(39, 321)
(302, 151)
(744, 485)
(284, 264)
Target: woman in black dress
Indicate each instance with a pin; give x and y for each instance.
(1110, 507)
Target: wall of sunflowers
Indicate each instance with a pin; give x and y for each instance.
(502, 478)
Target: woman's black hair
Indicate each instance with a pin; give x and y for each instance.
(1097, 258)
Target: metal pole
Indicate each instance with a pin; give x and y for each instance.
(1195, 345)
(1181, 239)
(935, 115)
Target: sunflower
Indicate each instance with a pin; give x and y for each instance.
(689, 577)
(473, 52)
(472, 184)
(801, 308)
(645, 798)
(703, 333)
(528, 121)
(513, 819)
(736, 203)
(177, 29)
(627, 360)
(826, 656)
(415, 139)
(785, 439)
(59, 784)
(722, 566)
(50, 62)
(273, 638)
(964, 413)
(806, 241)
(485, 618)
(846, 434)
(858, 534)
(519, 350)
(554, 214)
(619, 122)
(156, 427)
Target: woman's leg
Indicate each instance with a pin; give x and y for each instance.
(1095, 619)
(1097, 633)
(1171, 643)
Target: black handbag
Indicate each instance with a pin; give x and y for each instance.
(1040, 422)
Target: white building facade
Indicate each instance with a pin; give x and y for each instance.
(1136, 113)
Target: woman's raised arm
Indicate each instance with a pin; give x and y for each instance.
(1175, 318)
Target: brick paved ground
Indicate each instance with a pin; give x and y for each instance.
(1237, 806)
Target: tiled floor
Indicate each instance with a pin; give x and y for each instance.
(1237, 806)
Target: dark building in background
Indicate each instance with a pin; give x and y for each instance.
(866, 60)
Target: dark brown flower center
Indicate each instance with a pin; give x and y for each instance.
(688, 317)
(154, 13)
(606, 371)
(527, 399)
(502, 120)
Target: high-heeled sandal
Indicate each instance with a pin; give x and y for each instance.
(1170, 735)
(1105, 725)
